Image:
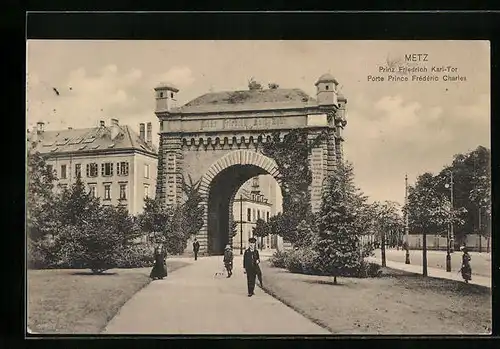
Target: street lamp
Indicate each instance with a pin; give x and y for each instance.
(449, 236)
(407, 228)
(241, 224)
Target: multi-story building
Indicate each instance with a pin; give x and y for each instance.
(249, 206)
(117, 165)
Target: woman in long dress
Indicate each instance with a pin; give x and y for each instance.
(466, 268)
(159, 270)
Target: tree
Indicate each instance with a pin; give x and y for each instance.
(261, 230)
(387, 223)
(471, 191)
(192, 209)
(154, 219)
(339, 224)
(281, 225)
(40, 199)
(429, 211)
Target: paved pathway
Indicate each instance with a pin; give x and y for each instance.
(192, 300)
(434, 272)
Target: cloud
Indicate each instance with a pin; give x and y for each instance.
(179, 76)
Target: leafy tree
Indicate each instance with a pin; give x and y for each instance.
(282, 226)
(75, 205)
(261, 230)
(429, 211)
(40, 203)
(471, 191)
(339, 223)
(387, 223)
(154, 219)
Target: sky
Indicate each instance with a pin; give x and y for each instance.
(393, 129)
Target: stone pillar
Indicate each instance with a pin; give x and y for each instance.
(172, 170)
(318, 163)
(331, 152)
(160, 178)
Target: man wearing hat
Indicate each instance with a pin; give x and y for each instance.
(228, 260)
(251, 262)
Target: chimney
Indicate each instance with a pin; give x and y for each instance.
(101, 123)
(40, 126)
(149, 135)
(142, 131)
(115, 129)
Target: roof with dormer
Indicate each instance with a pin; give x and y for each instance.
(248, 100)
(89, 140)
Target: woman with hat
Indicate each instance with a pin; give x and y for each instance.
(466, 268)
(251, 261)
(159, 270)
(228, 260)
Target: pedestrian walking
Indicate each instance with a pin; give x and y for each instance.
(159, 270)
(228, 260)
(466, 268)
(251, 261)
(196, 248)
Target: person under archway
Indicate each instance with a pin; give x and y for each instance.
(251, 261)
(228, 260)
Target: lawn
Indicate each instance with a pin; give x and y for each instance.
(395, 303)
(75, 301)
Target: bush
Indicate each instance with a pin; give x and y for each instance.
(368, 269)
(136, 256)
(278, 260)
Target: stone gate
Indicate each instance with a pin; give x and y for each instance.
(218, 137)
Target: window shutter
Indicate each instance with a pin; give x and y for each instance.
(111, 168)
(102, 170)
(88, 170)
(118, 168)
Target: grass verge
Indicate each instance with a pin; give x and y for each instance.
(395, 303)
(73, 301)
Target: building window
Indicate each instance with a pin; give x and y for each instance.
(254, 214)
(249, 215)
(78, 170)
(122, 168)
(161, 94)
(258, 214)
(267, 216)
(107, 169)
(92, 170)
(107, 191)
(146, 171)
(146, 191)
(63, 171)
(123, 192)
(326, 87)
(92, 190)
(63, 186)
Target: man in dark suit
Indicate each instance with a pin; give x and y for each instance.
(196, 248)
(251, 261)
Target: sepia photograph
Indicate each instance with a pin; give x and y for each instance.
(258, 187)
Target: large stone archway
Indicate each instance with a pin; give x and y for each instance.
(218, 188)
(217, 139)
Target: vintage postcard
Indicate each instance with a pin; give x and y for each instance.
(258, 187)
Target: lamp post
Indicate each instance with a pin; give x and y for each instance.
(407, 228)
(449, 236)
(241, 224)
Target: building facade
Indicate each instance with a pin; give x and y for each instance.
(116, 164)
(250, 204)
